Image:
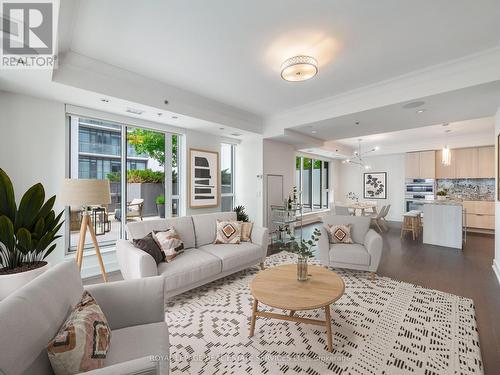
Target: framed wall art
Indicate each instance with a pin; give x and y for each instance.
(375, 185)
(204, 178)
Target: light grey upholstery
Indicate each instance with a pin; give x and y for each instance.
(360, 225)
(205, 226)
(31, 317)
(364, 254)
(189, 267)
(234, 255)
(195, 266)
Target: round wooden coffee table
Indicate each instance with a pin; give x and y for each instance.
(278, 287)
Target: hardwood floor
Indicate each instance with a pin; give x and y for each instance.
(467, 273)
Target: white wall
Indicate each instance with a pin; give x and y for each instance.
(248, 176)
(351, 179)
(496, 260)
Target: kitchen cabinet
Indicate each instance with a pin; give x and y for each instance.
(466, 162)
(480, 214)
(420, 164)
(445, 171)
(486, 162)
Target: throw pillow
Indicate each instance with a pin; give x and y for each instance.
(228, 232)
(149, 245)
(169, 243)
(246, 231)
(340, 233)
(82, 342)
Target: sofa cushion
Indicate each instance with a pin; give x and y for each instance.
(54, 293)
(233, 256)
(183, 225)
(205, 226)
(349, 253)
(150, 246)
(228, 232)
(189, 267)
(137, 342)
(360, 225)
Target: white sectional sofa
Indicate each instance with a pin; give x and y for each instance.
(201, 262)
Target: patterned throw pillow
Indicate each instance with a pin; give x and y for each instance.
(82, 343)
(228, 232)
(246, 231)
(169, 242)
(340, 233)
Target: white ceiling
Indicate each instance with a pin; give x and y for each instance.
(465, 104)
(231, 51)
(478, 132)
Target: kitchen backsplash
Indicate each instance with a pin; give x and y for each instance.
(474, 189)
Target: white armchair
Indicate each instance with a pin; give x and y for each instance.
(134, 309)
(364, 254)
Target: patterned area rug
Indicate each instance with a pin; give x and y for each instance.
(381, 327)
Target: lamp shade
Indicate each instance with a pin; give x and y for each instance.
(85, 192)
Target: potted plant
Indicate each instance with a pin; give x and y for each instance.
(160, 205)
(241, 215)
(303, 249)
(27, 233)
(442, 194)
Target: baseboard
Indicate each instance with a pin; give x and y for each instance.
(496, 269)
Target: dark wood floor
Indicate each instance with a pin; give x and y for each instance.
(467, 273)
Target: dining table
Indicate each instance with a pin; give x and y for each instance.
(362, 207)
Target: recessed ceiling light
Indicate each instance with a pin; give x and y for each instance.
(165, 101)
(313, 131)
(175, 117)
(446, 124)
(414, 104)
(419, 111)
(221, 128)
(134, 111)
(104, 100)
(159, 114)
(236, 134)
(356, 123)
(299, 68)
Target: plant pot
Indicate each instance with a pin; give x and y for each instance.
(161, 210)
(11, 282)
(301, 269)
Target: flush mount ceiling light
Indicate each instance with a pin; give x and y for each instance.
(299, 68)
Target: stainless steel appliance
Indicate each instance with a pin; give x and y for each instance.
(417, 191)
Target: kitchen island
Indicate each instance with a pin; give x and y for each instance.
(443, 223)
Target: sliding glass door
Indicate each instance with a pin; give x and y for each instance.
(136, 161)
(312, 182)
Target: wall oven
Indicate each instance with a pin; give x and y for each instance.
(417, 191)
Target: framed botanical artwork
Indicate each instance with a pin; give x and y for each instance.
(375, 185)
(204, 178)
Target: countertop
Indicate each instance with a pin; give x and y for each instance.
(445, 202)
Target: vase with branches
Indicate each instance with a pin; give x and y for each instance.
(303, 249)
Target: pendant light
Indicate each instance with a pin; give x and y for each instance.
(446, 153)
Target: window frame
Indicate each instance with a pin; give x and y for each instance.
(233, 179)
(324, 182)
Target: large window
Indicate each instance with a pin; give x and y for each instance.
(312, 181)
(135, 161)
(227, 176)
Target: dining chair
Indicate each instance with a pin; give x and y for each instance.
(377, 219)
(383, 219)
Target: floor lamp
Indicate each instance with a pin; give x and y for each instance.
(85, 193)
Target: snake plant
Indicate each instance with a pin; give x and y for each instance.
(27, 232)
